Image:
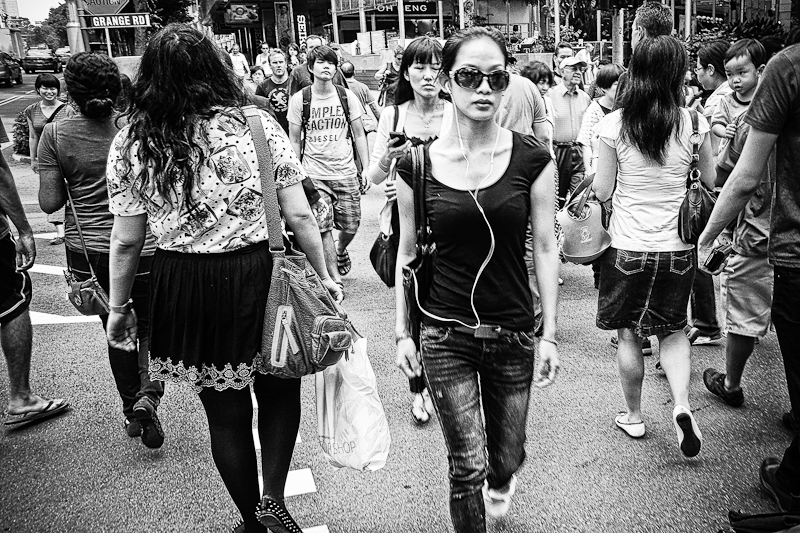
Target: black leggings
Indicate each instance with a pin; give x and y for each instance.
(230, 422)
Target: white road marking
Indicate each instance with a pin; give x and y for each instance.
(300, 482)
(46, 318)
(45, 235)
(47, 269)
(317, 529)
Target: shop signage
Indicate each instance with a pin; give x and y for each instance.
(302, 32)
(409, 8)
(105, 7)
(127, 20)
(241, 14)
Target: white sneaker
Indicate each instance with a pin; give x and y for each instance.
(496, 502)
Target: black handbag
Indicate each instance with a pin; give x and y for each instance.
(383, 254)
(383, 257)
(763, 523)
(87, 296)
(305, 331)
(699, 202)
(418, 274)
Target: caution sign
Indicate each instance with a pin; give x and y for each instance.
(126, 20)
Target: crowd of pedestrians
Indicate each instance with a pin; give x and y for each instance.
(163, 189)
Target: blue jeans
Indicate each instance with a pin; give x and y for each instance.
(464, 373)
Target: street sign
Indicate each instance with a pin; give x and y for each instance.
(105, 7)
(127, 20)
(409, 8)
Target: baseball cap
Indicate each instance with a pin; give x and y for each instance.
(571, 62)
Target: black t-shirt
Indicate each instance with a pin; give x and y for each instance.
(776, 109)
(278, 96)
(502, 296)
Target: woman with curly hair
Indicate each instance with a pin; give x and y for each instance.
(186, 167)
(72, 153)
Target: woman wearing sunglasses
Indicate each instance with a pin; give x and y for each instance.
(420, 114)
(484, 186)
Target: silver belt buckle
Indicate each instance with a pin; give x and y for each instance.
(487, 332)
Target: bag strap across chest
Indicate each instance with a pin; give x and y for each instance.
(306, 117)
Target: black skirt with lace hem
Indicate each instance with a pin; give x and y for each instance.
(207, 315)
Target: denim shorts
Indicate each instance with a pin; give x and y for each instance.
(647, 292)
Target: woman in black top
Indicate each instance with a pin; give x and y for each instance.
(484, 184)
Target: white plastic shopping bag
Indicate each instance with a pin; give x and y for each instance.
(351, 424)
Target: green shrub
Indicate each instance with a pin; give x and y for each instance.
(20, 133)
(756, 28)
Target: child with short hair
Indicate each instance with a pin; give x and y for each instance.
(747, 280)
(744, 62)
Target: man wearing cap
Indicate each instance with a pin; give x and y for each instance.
(569, 105)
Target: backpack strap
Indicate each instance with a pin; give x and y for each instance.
(342, 94)
(345, 107)
(306, 116)
(396, 118)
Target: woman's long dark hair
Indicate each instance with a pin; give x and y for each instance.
(653, 96)
(93, 84)
(182, 78)
(424, 50)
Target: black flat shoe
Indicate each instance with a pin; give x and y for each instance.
(274, 515)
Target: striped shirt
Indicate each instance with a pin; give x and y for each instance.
(568, 110)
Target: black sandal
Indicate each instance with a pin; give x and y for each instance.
(274, 515)
(343, 262)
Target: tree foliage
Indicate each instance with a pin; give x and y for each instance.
(57, 19)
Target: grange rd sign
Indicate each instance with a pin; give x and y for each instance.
(105, 7)
(126, 20)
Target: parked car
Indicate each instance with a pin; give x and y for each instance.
(63, 54)
(10, 71)
(40, 59)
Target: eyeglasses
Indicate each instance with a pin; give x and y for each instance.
(574, 68)
(698, 69)
(472, 78)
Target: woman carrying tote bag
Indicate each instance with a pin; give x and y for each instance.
(647, 273)
(186, 167)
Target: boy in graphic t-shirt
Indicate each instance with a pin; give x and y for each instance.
(744, 62)
(326, 151)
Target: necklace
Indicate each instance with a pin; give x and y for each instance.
(427, 123)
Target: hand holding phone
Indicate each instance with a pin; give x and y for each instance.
(717, 256)
(398, 138)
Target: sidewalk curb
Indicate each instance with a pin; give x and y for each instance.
(19, 158)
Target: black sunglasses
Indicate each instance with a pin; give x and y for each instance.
(471, 78)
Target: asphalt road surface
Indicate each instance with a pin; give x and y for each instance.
(80, 472)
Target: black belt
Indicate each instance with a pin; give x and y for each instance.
(485, 331)
(567, 143)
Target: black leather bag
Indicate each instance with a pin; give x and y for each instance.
(763, 523)
(699, 202)
(418, 274)
(383, 257)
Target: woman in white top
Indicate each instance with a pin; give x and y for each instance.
(710, 70)
(420, 114)
(607, 79)
(262, 60)
(647, 273)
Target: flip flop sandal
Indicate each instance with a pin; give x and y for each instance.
(343, 262)
(419, 415)
(53, 408)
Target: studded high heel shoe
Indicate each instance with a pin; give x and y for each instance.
(274, 515)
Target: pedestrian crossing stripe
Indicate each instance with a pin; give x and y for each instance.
(38, 318)
(47, 269)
